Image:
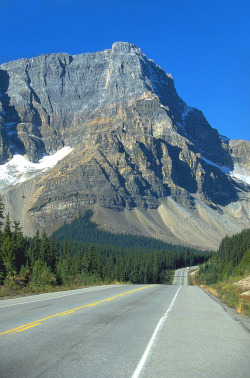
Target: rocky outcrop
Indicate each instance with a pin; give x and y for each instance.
(240, 152)
(135, 143)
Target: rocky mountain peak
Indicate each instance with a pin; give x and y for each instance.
(133, 146)
(125, 48)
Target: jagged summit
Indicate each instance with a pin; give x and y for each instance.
(125, 48)
(137, 149)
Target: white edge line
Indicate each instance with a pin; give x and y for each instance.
(60, 296)
(153, 337)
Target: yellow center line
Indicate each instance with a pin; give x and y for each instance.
(181, 276)
(37, 322)
(23, 329)
(67, 313)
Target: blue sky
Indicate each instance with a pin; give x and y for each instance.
(203, 43)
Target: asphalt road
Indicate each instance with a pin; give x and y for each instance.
(122, 331)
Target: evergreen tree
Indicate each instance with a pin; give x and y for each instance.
(2, 269)
(8, 256)
(85, 263)
(7, 228)
(19, 246)
(53, 253)
(41, 275)
(63, 266)
(1, 217)
(66, 254)
(92, 261)
(45, 249)
(99, 265)
(36, 250)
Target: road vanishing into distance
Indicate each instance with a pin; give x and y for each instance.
(123, 331)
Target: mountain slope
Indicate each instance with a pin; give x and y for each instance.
(140, 157)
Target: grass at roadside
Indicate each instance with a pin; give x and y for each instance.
(15, 288)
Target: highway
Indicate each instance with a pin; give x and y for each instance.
(122, 331)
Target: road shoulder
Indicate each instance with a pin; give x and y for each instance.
(244, 321)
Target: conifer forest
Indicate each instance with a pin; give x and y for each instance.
(80, 254)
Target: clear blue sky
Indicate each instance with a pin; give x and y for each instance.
(203, 43)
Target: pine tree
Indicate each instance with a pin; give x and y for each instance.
(66, 254)
(41, 274)
(99, 265)
(63, 266)
(2, 269)
(85, 263)
(19, 246)
(36, 251)
(8, 255)
(45, 249)
(54, 253)
(7, 228)
(92, 268)
(1, 217)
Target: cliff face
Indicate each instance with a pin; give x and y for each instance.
(136, 144)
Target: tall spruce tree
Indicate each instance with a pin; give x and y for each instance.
(8, 255)
(36, 251)
(2, 269)
(7, 251)
(1, 214)
(18, 245)
(45, 249)
(7, 228)
(54, 253)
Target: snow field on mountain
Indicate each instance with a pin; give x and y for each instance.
(238, 173)
(19, 169)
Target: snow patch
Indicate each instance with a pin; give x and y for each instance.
(19, 169)
(223, 169)
(241, 174)
(34, 136)
(238, 173)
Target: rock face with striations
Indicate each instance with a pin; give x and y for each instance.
(141, 157)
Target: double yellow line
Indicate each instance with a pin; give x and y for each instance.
(38, 322)
(181, 276)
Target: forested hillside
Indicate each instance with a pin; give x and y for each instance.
(229, 265)
(39, 263)
(232, 260)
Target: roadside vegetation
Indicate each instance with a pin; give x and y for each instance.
(226, 274)
(79, 255)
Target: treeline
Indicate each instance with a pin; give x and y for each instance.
(231, 260)
(136, 265)
(41, 262)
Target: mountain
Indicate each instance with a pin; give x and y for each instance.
(107, 131)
